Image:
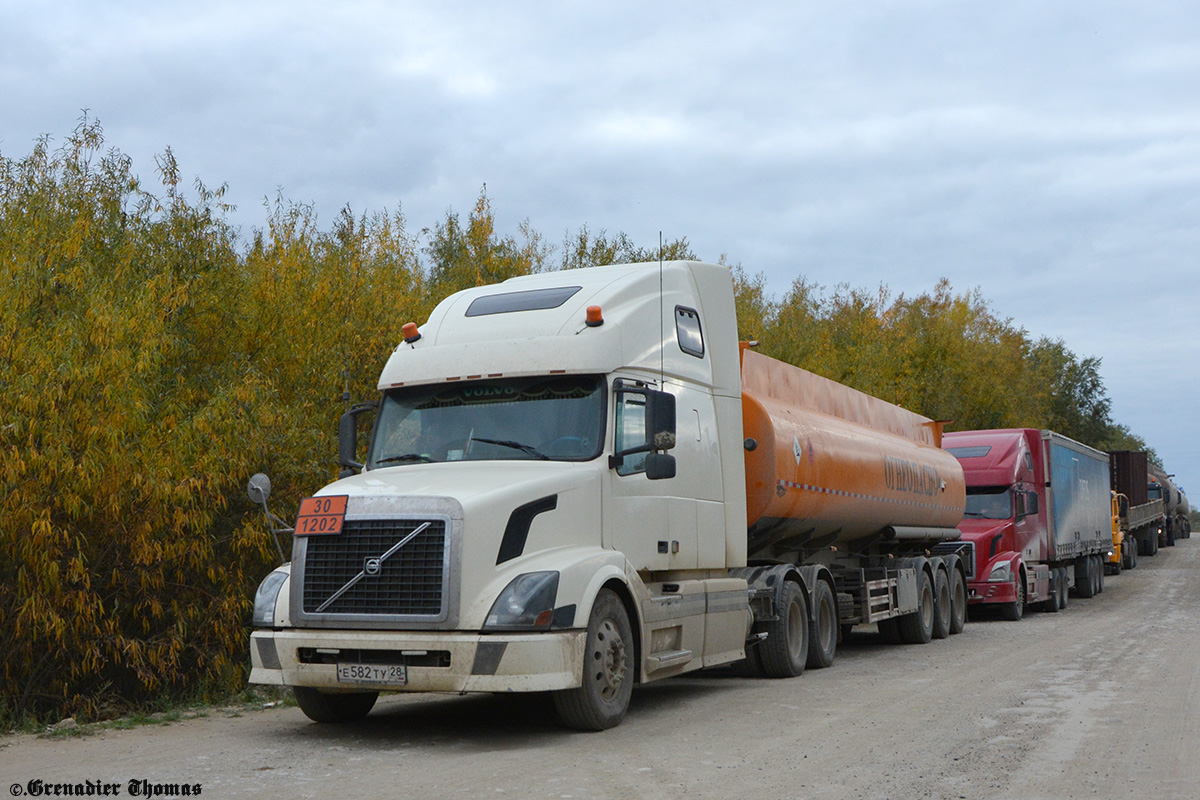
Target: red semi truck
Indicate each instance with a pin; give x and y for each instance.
(1038, 517)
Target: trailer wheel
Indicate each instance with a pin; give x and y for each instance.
(603, 698)
(784, 654)
(942, 611)
(823, 637)
(330, 707)
(1152, 545)
(958, 603)
(1133, 554)
(917, 627)
(1099, 574)
(1064, 587)
(1085, 582)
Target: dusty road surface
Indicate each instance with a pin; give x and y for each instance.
(1099, 701)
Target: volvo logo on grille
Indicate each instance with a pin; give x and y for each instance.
(372, 567)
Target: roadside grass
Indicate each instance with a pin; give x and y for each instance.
(249, 700)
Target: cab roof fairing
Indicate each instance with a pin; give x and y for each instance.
(1000, 466)
(546, 340)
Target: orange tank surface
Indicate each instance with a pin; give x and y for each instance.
(834, 465)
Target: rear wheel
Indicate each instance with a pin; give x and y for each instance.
(603, 698)
(1085, 582)
(958, 602)
(942, 611)
(1051, 603)
(1133, 554)
(785, 651)
(1064, 587)
(823, 637)
(1099, 572)
(331, 707)
(917, 627)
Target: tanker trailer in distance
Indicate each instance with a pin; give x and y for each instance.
(1038, 515)
(578, 481)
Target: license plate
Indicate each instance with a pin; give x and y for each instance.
(376, 674)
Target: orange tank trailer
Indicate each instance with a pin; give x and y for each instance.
(831, 465)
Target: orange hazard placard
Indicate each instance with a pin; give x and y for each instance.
(321, 516)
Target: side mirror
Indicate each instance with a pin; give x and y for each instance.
(348, 439)
(259, 488)
(660, 466)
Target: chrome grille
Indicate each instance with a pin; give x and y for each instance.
(965, 550)
(408, 582)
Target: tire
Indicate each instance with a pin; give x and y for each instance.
(1133, 555)
(330, 707)
(823, 636)
(784, 654)
(1085, 582)
(1064, 587)
(958, 603)
(603, 698)
(1099, 571)
(1051, 604)
(1152, 545)
(1014, 611)
(1170, 536)
(917, 627)
(1114, 568)
(942, 612)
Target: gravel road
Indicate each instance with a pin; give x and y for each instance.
(1099, 701)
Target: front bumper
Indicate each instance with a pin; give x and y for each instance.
(985, 592)
(509, 662)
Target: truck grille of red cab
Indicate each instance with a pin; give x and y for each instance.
(410, 582)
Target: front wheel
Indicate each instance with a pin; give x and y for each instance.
(1015, 610)
(602, 699)
(329, 707)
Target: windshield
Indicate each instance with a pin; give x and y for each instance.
(559, 418)
(989, 502)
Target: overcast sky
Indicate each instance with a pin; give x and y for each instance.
(1046, 153)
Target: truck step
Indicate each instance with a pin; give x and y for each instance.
(667, 658)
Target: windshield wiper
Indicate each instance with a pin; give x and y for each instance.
(405, 457)
(533, 451)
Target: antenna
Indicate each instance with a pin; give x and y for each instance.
(662, 334)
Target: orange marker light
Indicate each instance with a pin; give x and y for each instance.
(594, 318)
(411, 334)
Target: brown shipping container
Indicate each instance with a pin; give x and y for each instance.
(1127, 468)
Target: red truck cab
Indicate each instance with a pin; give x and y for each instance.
(1004, 518)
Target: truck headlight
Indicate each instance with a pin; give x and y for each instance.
(1001, 573)
(527, 603)
(265, 597)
